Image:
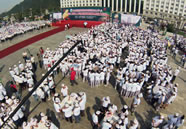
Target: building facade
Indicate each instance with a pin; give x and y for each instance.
(126, 6)
(80, 3)
(169, 10)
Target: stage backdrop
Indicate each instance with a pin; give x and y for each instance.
(130, 19)
(57, 16)
(87, 13)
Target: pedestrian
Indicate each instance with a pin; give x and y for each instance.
(134, 124)
(182, 60)
(136, 101)
(2, 93)
(105, 103)
(24, 54)
(172, 119)
(41, 51)
(64, 90)
(76, 113)
(82, 102)
(41, 93)
(175, 52)
(39, 57)
(14, 90)
(32, 59)
(95, 120)
(73, 77)
(180, 121)
(157, 121)
(67, 109)
(176, 72)
(58, 109)
(85, 24)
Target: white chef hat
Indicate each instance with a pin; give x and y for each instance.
(67, 105)
(125, 106)
(98, 112)
(135, 121)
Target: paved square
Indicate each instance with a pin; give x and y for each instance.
(144, 112)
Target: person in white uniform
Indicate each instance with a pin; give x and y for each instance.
(64, 90)
(95, 120)
(76, 112)
(67, 109)
(157, 121)
(136, 101)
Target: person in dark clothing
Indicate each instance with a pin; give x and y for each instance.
(39, 56)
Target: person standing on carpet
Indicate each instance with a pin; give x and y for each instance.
(73, 77)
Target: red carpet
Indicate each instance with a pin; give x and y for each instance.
(36, 38)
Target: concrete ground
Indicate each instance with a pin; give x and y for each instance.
(144, 112)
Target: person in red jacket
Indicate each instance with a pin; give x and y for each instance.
(73, 77)
(14, 90)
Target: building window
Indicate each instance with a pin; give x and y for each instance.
(156, 9)
(152, 9)
(156, 13)
(146, 12)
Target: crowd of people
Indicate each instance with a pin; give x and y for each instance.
(8, 32)
(110, 117)
(172, 121)
(176, 43)
(8, 105)
(72, 106)
(96, 60)
(42, 122)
